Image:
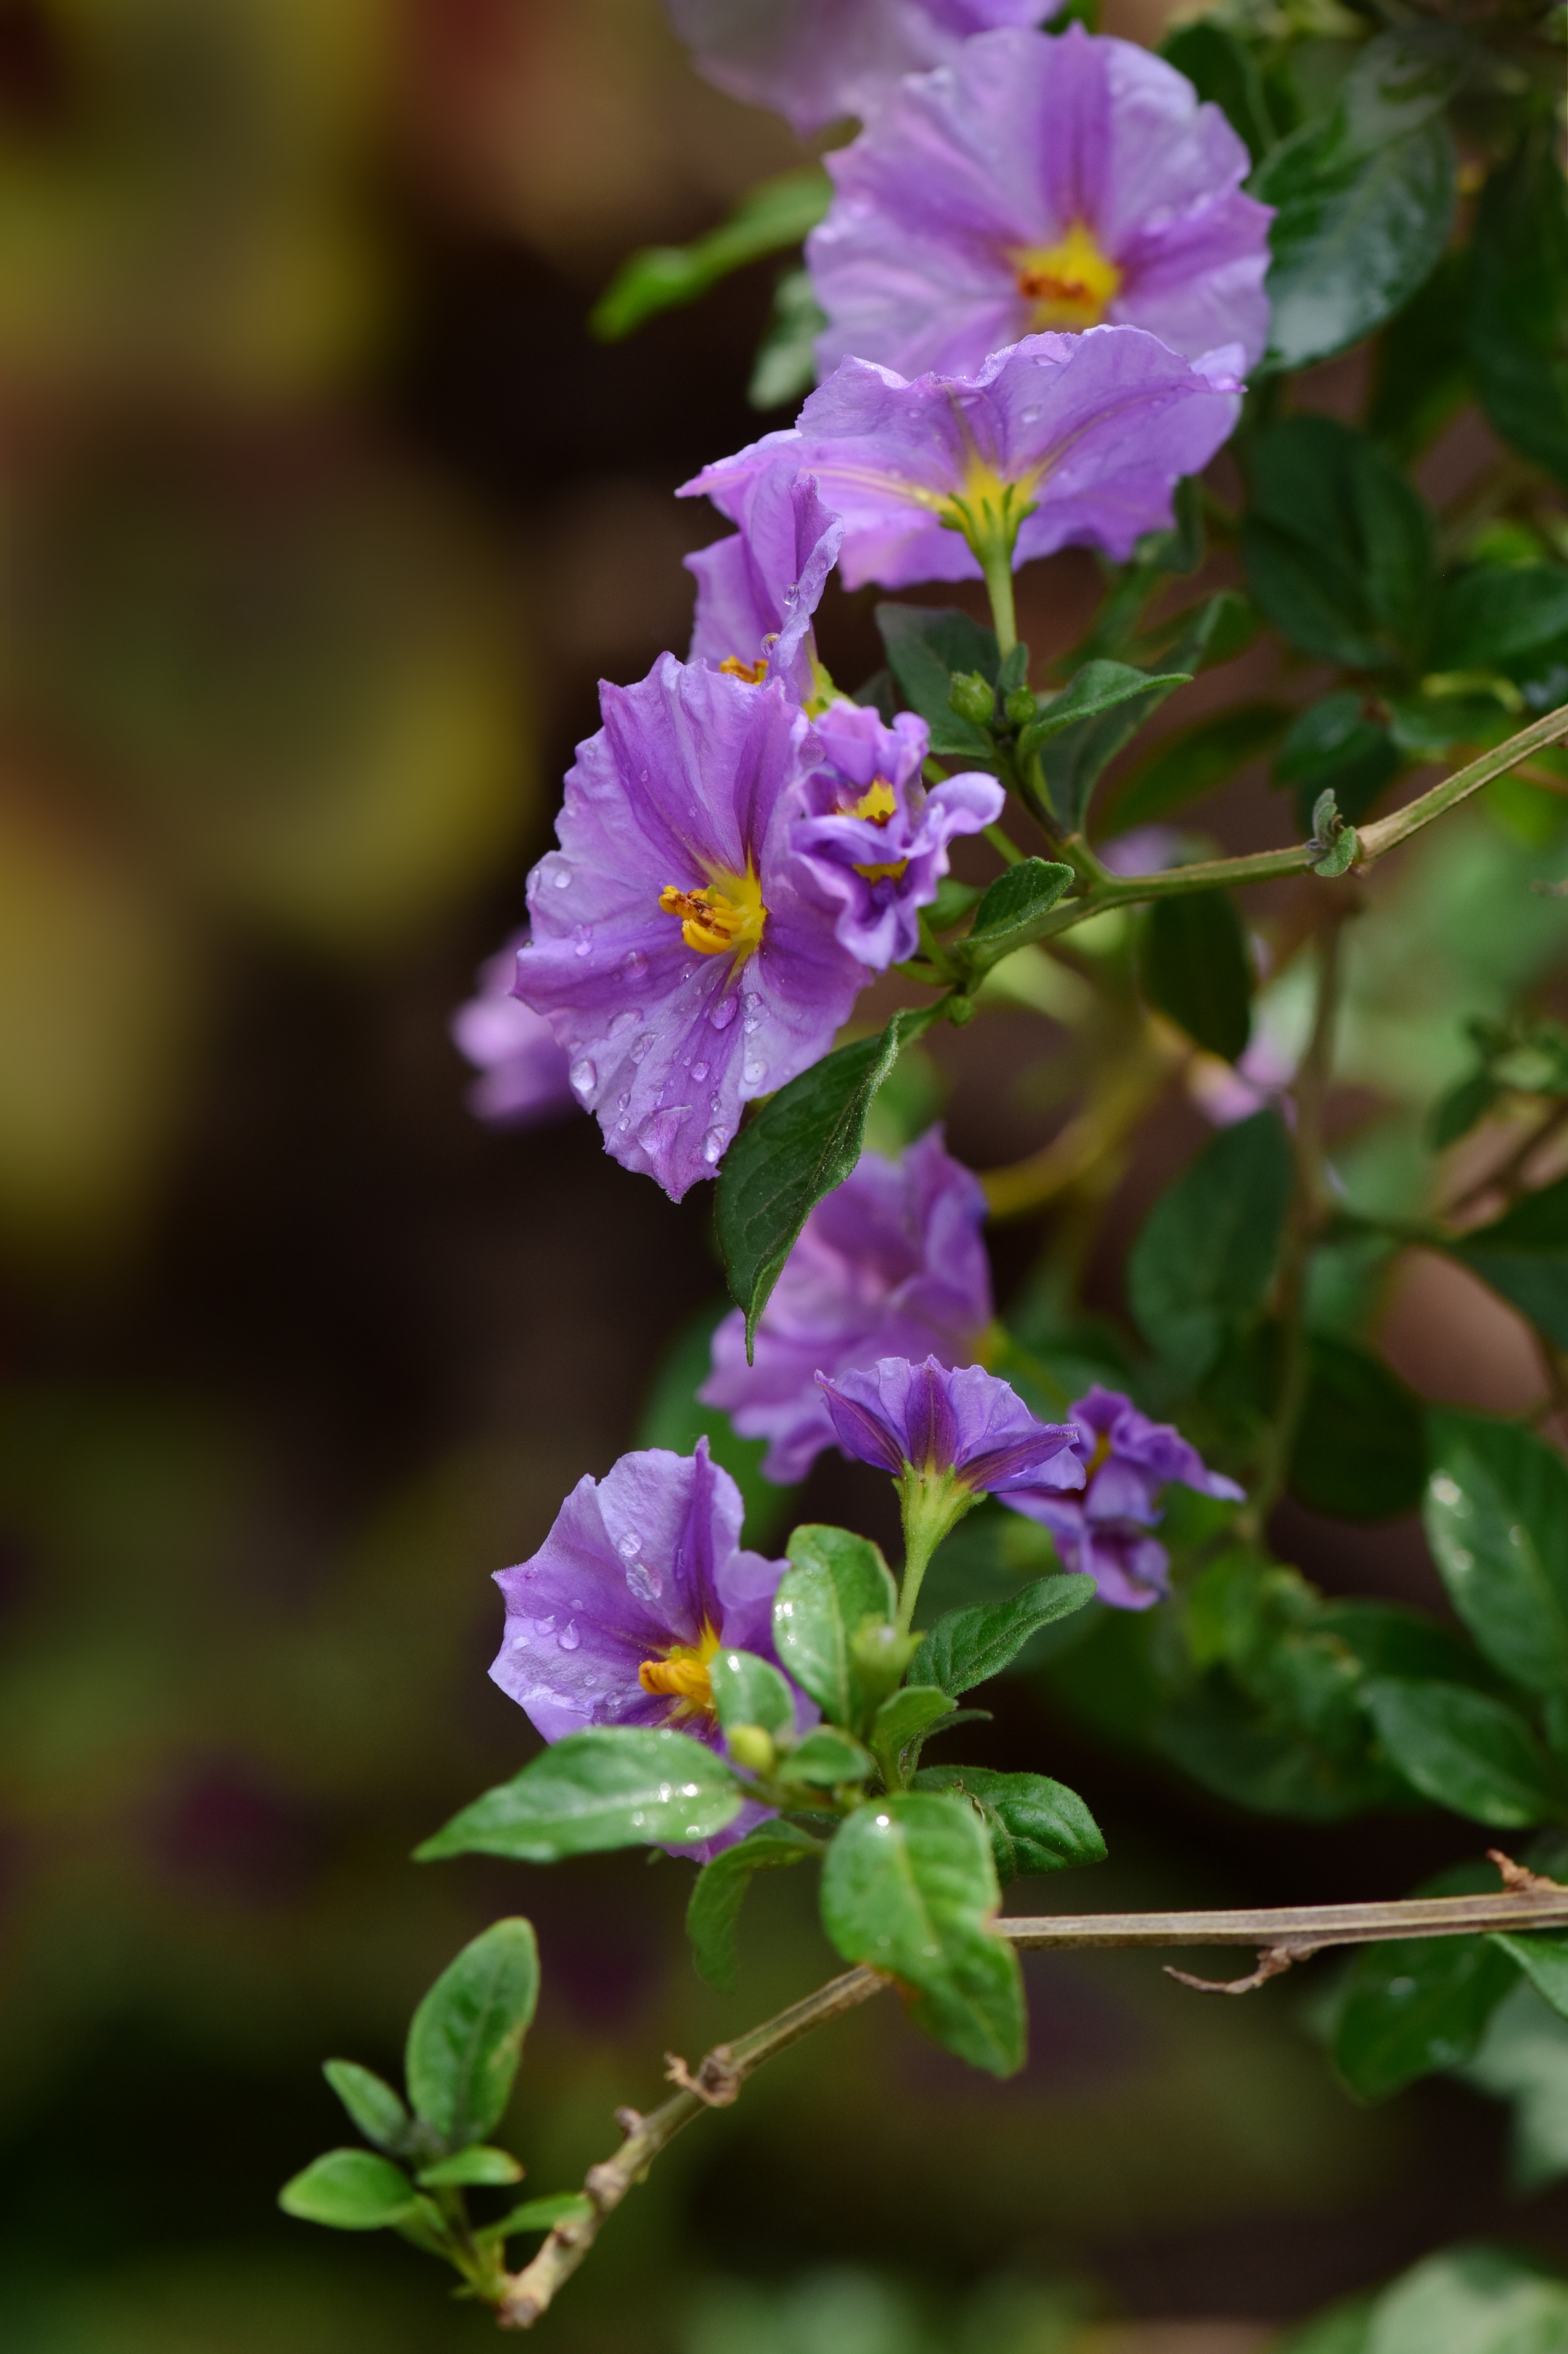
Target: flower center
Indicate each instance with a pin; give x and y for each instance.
(752, 673)
(1102, 1449)
(878, 803)
(723, 918)
(682, 1672)
(1069, 284)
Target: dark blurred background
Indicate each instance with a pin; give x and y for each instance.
(322, 515)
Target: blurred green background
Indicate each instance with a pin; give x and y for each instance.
(321, 515)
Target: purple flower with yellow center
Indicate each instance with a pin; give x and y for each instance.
(1127, 1460)
(1060, 440)
(891, 1264)
(677, 948)
(948, 1436)
(815, 60)
(874, 839)
(758, 590)
(522, 1072)
(1039, 182)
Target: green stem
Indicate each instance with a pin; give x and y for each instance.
(996, 565)
(1002, 847)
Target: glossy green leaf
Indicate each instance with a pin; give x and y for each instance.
(1222, 70)
(615, 1786)
(465, 2041)
(1496, 1520)
(905, 1715)
(1033, 1824)
(1524, 1256)
(352, 2190)
(1337, 545)
(827, 1757)
(1415, 2005)
(749, 1691)
(1361, 1444)
(805, 1141)
(1194, 966)
(967, 1646)
(537, 2215)
(480, 2167)
(1334, 746)
(1492, 613)
(928, 648)
(376, 2108)
(1463, 1750)
(1204, 1259)
(1193, 762)
(910, 1887)
(1364, 198)
(835, 1582)
(1075, 757)
(1012, 914)
(720, 1889)
(785, 368)
(1518, 323)
(1542, 1955)
(774, 214)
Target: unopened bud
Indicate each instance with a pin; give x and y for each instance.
(1020, 706)
(880, 1653)
(751, 1745)
(973, 698)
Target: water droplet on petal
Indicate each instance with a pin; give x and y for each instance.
(627, 1019)
(545, 1625)
(645, 1582)
(714, 1144)
(631, 1545)
(583, 1077)
(561, 877)
(568, 1639)
(640, 1045)
(753, 1071)
(582, 941)
(634, 963)
(621, 1126)
(723, 1012)
(699, 1072)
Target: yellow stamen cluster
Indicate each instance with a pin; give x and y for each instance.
(752, 673)
(724, 917)
(682, 1672)
(1069, 284)
(879, 802)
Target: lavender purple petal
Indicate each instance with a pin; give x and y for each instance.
(961, 1420)
(523, 1078)
(758, 590)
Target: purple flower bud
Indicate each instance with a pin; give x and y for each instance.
(1039, 184)
(523, 1080)
(963, 1423)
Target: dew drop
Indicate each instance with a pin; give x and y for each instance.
(545, 1625)
(629, 1546)
(753, 1071)
(640, 1045)
(627, 1019)
(621, 1126)
(519, 1642)
(645, 1582)
(723, 1012)
(1029, 415)
(583, 1077)
(582, 941)
(712, 1145)
(634, 963)
(561, 876)
(751, 1025)
(568, 1639)
(699, 1072)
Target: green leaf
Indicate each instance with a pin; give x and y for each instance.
(486, 2168)
(616, 1785)
(1495, 612)
(786, 364)
(827, 1757)
(1496, 1520)
(928, 648)
(1412, 2006)
(673, 1416)
(1098, 687)
(1204, 1259)
(537, 2215)
(1033, 1824)
(352, 2190)
(1524, 1256)
(465, 2041)
(775, 213)
(1333, 745)
(909, 1887)
(1337, 545)
(1472, 2301)
(1542, 1955)
(749, 1691)
(805, 1141)
(1223, 71)
(1073, 757)
(1360, 1445)
(1193, 762)
(1455, 1114)
(720, 1889)
(376, 2108)
(1420, 376)
(967, 1646)
(834, 1583)
(1364, 198)
(1195, 965)
(1012, 914)
(1463, 1750)
(905, 1714)
(1518, 324)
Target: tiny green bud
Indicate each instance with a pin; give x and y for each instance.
(752, 1746)
(880, 1654)
(1020, 706)
(960, 1009)
(973, 697)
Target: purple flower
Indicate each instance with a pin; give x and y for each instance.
(758, 590)
(891, 1264)
(1062, 440)
(1039, 182)
(875, 840)
(815, 60)
(965, 1425)
(675, 949)
(523, 1079)
(1127, 1460)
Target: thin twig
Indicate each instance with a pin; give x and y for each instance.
(1272, 1963)
(1292, 1931)
(1506, 1176)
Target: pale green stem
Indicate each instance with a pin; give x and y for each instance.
(996, 565)
(1002, 847)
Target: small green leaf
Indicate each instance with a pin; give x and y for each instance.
(1033, 1824)
(1496, 1520)
(465, 2041)
(1202, 1265)
(749, 1691)
(825, 1758)
(786, 363)
(1098, 687)
(905, 1714)
(1542, 1955)
(1192, 762)
(1493, 613)
(775, 213)
(805, 1141)
(537, 2215)
(1523, 1254)
(1012, 914)
(835, 1582)
(1414, 2005)
(352, 2190)
(370, 2101)
(969, 1646)
(1333, 745)
(1361, 1444)
(1195, 965)
(1463, 1750)
(720, 1889)
(928, 648)
(910, 1887)
(617, 1786)
(479, 2166)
